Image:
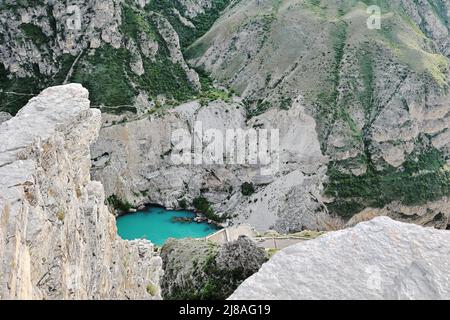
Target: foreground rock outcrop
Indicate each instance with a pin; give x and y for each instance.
(379, 259)
(195, 269)
(57, 238)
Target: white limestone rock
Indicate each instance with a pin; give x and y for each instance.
(57, 238)
(379, 259)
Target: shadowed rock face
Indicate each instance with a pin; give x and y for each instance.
(57, 238)
(379, 259)
(196, 269)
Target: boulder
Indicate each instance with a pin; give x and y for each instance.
(378, 259)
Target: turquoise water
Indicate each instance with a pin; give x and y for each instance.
(155, 224)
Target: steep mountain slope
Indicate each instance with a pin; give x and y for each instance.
(126, 52)
(379, 97)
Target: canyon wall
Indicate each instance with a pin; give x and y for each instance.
(57, 238)
(133, 159)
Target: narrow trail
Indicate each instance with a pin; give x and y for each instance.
(70, 72)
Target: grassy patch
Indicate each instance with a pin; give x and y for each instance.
(164, 77)
(424, 177)
(104, 74)
(24, 89)
(209, 92)
(327, 99)
(134, 22)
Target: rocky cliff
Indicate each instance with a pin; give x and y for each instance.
(379, 96)
(363, 113)
(57, 238)
(380, 259)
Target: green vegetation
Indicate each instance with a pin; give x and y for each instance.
(255, 109)
(182, 203)
(34, 33)
(20, 4)
(314, 2)
(106, 71)
(151, 289)
(202, 204)
(65, 62)
(119, 204)
(61, 215)
(209, 92)
(15, 92)
(424, 177)
(367, 75)
(197, 289)
(202, 22)
(271, 251)
(247, 189)
(198, 270)
(222, 282)
(135, 22)
(105, 76)
(327, 99)
(110, 81)
(164, 77)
